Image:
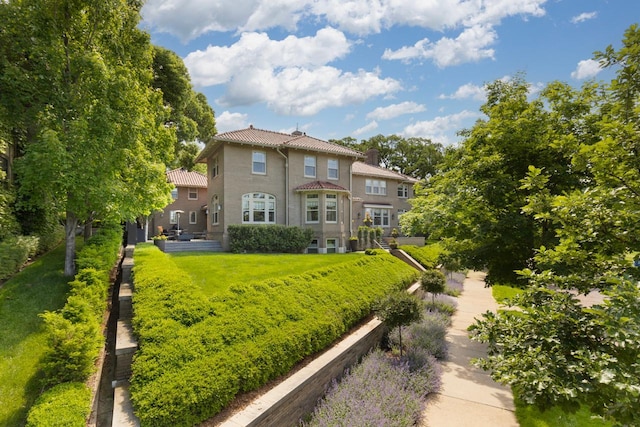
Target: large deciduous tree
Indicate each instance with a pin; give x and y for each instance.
(555, 351)
(76, 82)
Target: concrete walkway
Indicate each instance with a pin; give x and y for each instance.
(469, 397)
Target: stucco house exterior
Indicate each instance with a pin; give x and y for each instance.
(187, 212)
(259, 176)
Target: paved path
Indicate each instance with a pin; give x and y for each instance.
(469, 397)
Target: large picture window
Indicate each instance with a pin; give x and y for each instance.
(376, 186)
(380, 216)
(258, 208)
(312, 208)
(331, 208)
(259, 162)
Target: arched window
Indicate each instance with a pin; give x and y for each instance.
(258, 208)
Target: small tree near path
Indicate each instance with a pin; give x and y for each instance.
(399, 309)
(434, 282)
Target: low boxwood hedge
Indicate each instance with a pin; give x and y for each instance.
(197, 353)
(269, 238)
(65, 405)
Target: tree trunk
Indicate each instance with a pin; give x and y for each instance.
(70, 242)
(88, 229)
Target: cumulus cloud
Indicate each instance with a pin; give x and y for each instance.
(583, 17)
(440, 128)
(395, 110)
(367, 128)
(586, 69)
(470, 46)
(228, 121)
(467, 91)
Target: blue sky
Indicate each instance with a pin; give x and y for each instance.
(359, 68)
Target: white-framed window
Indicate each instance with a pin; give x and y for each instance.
(331, 246)
(403, 191)
(215, 168)
(332, 169)
(380, 216)
(193, 217)
(258, 208)
(313, 247)
(259, 163)
(376, 186)
(173, 217)
(312, 208)
(331, 208)
(174, 193)
(193, 193)
(215, 210)
(310, 166)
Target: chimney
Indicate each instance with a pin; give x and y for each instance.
(372, 157)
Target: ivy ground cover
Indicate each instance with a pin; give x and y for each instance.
(198, 351)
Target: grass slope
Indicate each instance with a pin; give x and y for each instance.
(39, 287)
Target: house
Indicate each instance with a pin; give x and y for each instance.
(187, 212)
(258, 176)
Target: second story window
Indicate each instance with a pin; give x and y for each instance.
(376, 186)
(259, 165)
(332, 169)
(193, 193)
(174, 193)
(215, 210)
(310, 166)
(215, 171)
(403, 191)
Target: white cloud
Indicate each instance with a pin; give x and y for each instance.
(586, 69)
(441, 128)
(367, 128)
(470, 46)
(467, 91)
(583, 17)
(218, 64)
(395, 110)
(228, 121)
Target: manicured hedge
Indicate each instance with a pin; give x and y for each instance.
(197, 353)
(15, 251)
(269, 238)
(74, 333)
(65, 405)
(427, 256)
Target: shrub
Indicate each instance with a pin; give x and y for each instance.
(269, 238)
(434, 282)
(66, 405)
(427, 256)
(378, 392)
(197, 353)
(15, 252)
(429, 334)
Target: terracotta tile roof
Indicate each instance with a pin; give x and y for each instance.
(273, 139)
(183, 178)
(320, 185)
(361, 168)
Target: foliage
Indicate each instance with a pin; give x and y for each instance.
(429, 334)
(75, 81)
(14, 253)
(378, 392)
(434, 282)
(38, 287)
(397, 310)
(553, 351)
(8, 223)
(196, 354)
(427, 256)
(269, 238)
(66, 405)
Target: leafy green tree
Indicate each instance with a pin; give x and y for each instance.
(75, 79)
(399, 309)
(434, 282)
(554, 351)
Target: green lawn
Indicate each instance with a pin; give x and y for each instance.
(531, 416)
(39, 287)
(215, 272)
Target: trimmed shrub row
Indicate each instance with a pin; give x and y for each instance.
(197, 353)
(268, 238)
(427, 256)
(74, 335)
(15, 251)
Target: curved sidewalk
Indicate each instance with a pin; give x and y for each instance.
(469, 397)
